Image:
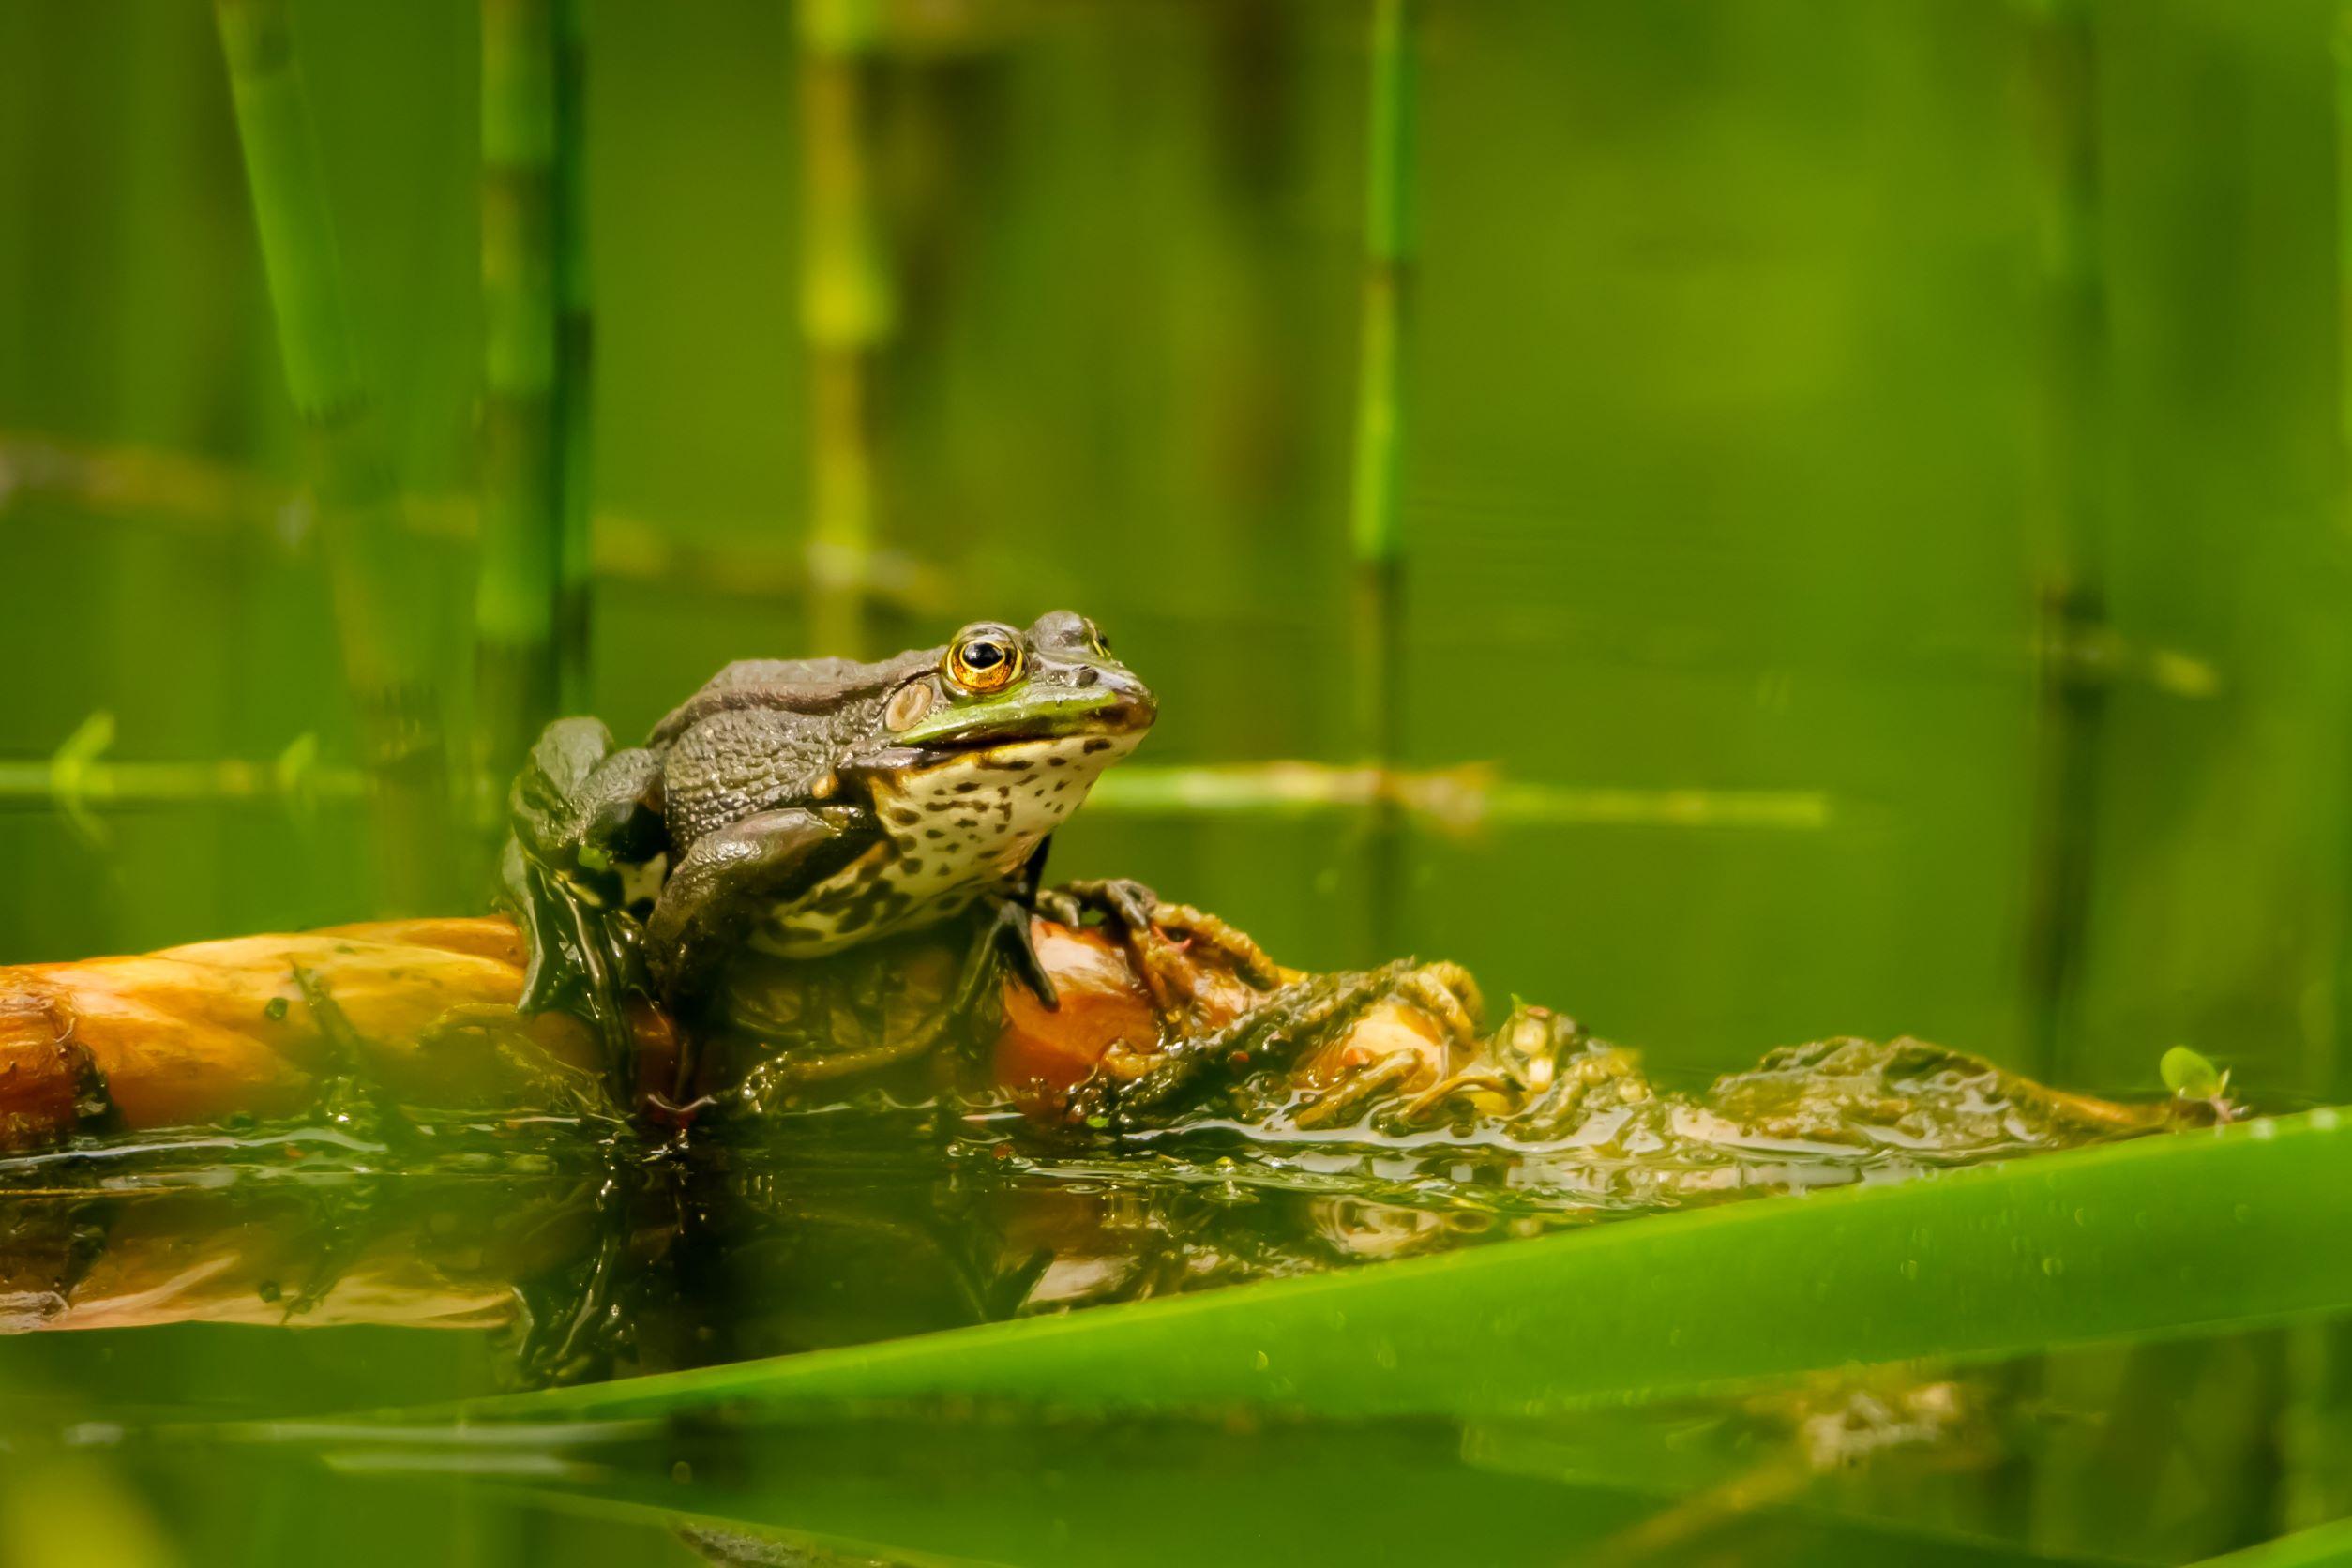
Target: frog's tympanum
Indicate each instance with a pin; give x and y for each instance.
(799, 807)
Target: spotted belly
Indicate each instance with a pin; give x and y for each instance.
(952, 832)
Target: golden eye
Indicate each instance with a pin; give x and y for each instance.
(984, 660)
(1101, 641)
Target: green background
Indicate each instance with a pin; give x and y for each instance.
(1926, 411)
(1930, 410)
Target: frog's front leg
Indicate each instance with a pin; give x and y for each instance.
(1006, 943)
(727, 882)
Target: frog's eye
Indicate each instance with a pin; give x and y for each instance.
(985, 659)
(1099, 640)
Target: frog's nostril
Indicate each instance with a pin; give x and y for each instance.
(1089, 676)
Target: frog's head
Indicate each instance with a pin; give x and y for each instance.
(994, 686)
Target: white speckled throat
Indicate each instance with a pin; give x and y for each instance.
(957, 825)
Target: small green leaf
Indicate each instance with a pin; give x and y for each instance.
(2189, 1074)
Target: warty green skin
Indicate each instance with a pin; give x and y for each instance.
(802, 807)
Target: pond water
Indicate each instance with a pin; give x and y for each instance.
(256, 1342)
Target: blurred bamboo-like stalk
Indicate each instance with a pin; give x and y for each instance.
(2056, 89)
(575, 360)
(367, 567)
(2057, 86)
(2335, 1077)
(77, 780)
(2315, 1429)
(521, 519)
(847, 310)
(1375, 531)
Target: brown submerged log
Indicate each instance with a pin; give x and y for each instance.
(1187, 1016)
(270, 1028)
(267, 1027)
(274, 1027)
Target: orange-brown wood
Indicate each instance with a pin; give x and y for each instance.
(197, 1034)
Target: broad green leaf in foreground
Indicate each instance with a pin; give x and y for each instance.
(2328, 1545)
(2167, 1236)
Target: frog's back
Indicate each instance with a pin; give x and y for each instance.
(802, 685)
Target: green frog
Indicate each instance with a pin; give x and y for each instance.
(798, 808)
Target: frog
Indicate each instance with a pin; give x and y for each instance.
(797, 808)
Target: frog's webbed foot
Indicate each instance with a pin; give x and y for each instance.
(1116, 901)
(585, 952)
(581, 813)
(1128, 912)
(1164, 942)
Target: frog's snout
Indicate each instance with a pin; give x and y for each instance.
(1131, 707)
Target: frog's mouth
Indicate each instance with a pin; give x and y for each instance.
(1111, 709)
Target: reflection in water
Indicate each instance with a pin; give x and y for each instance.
(868, 1217)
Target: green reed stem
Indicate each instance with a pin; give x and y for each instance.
(521, 524)
(575, 425)
(1376, 530)
(2061, 503)
(125, 785)
(2314, 1430)
(2336, 1075)
(846, 311)
(77, 780)
(367, 567)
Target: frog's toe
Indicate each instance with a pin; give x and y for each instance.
(1122, 903)
(1123, 900)
(1004, 945)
